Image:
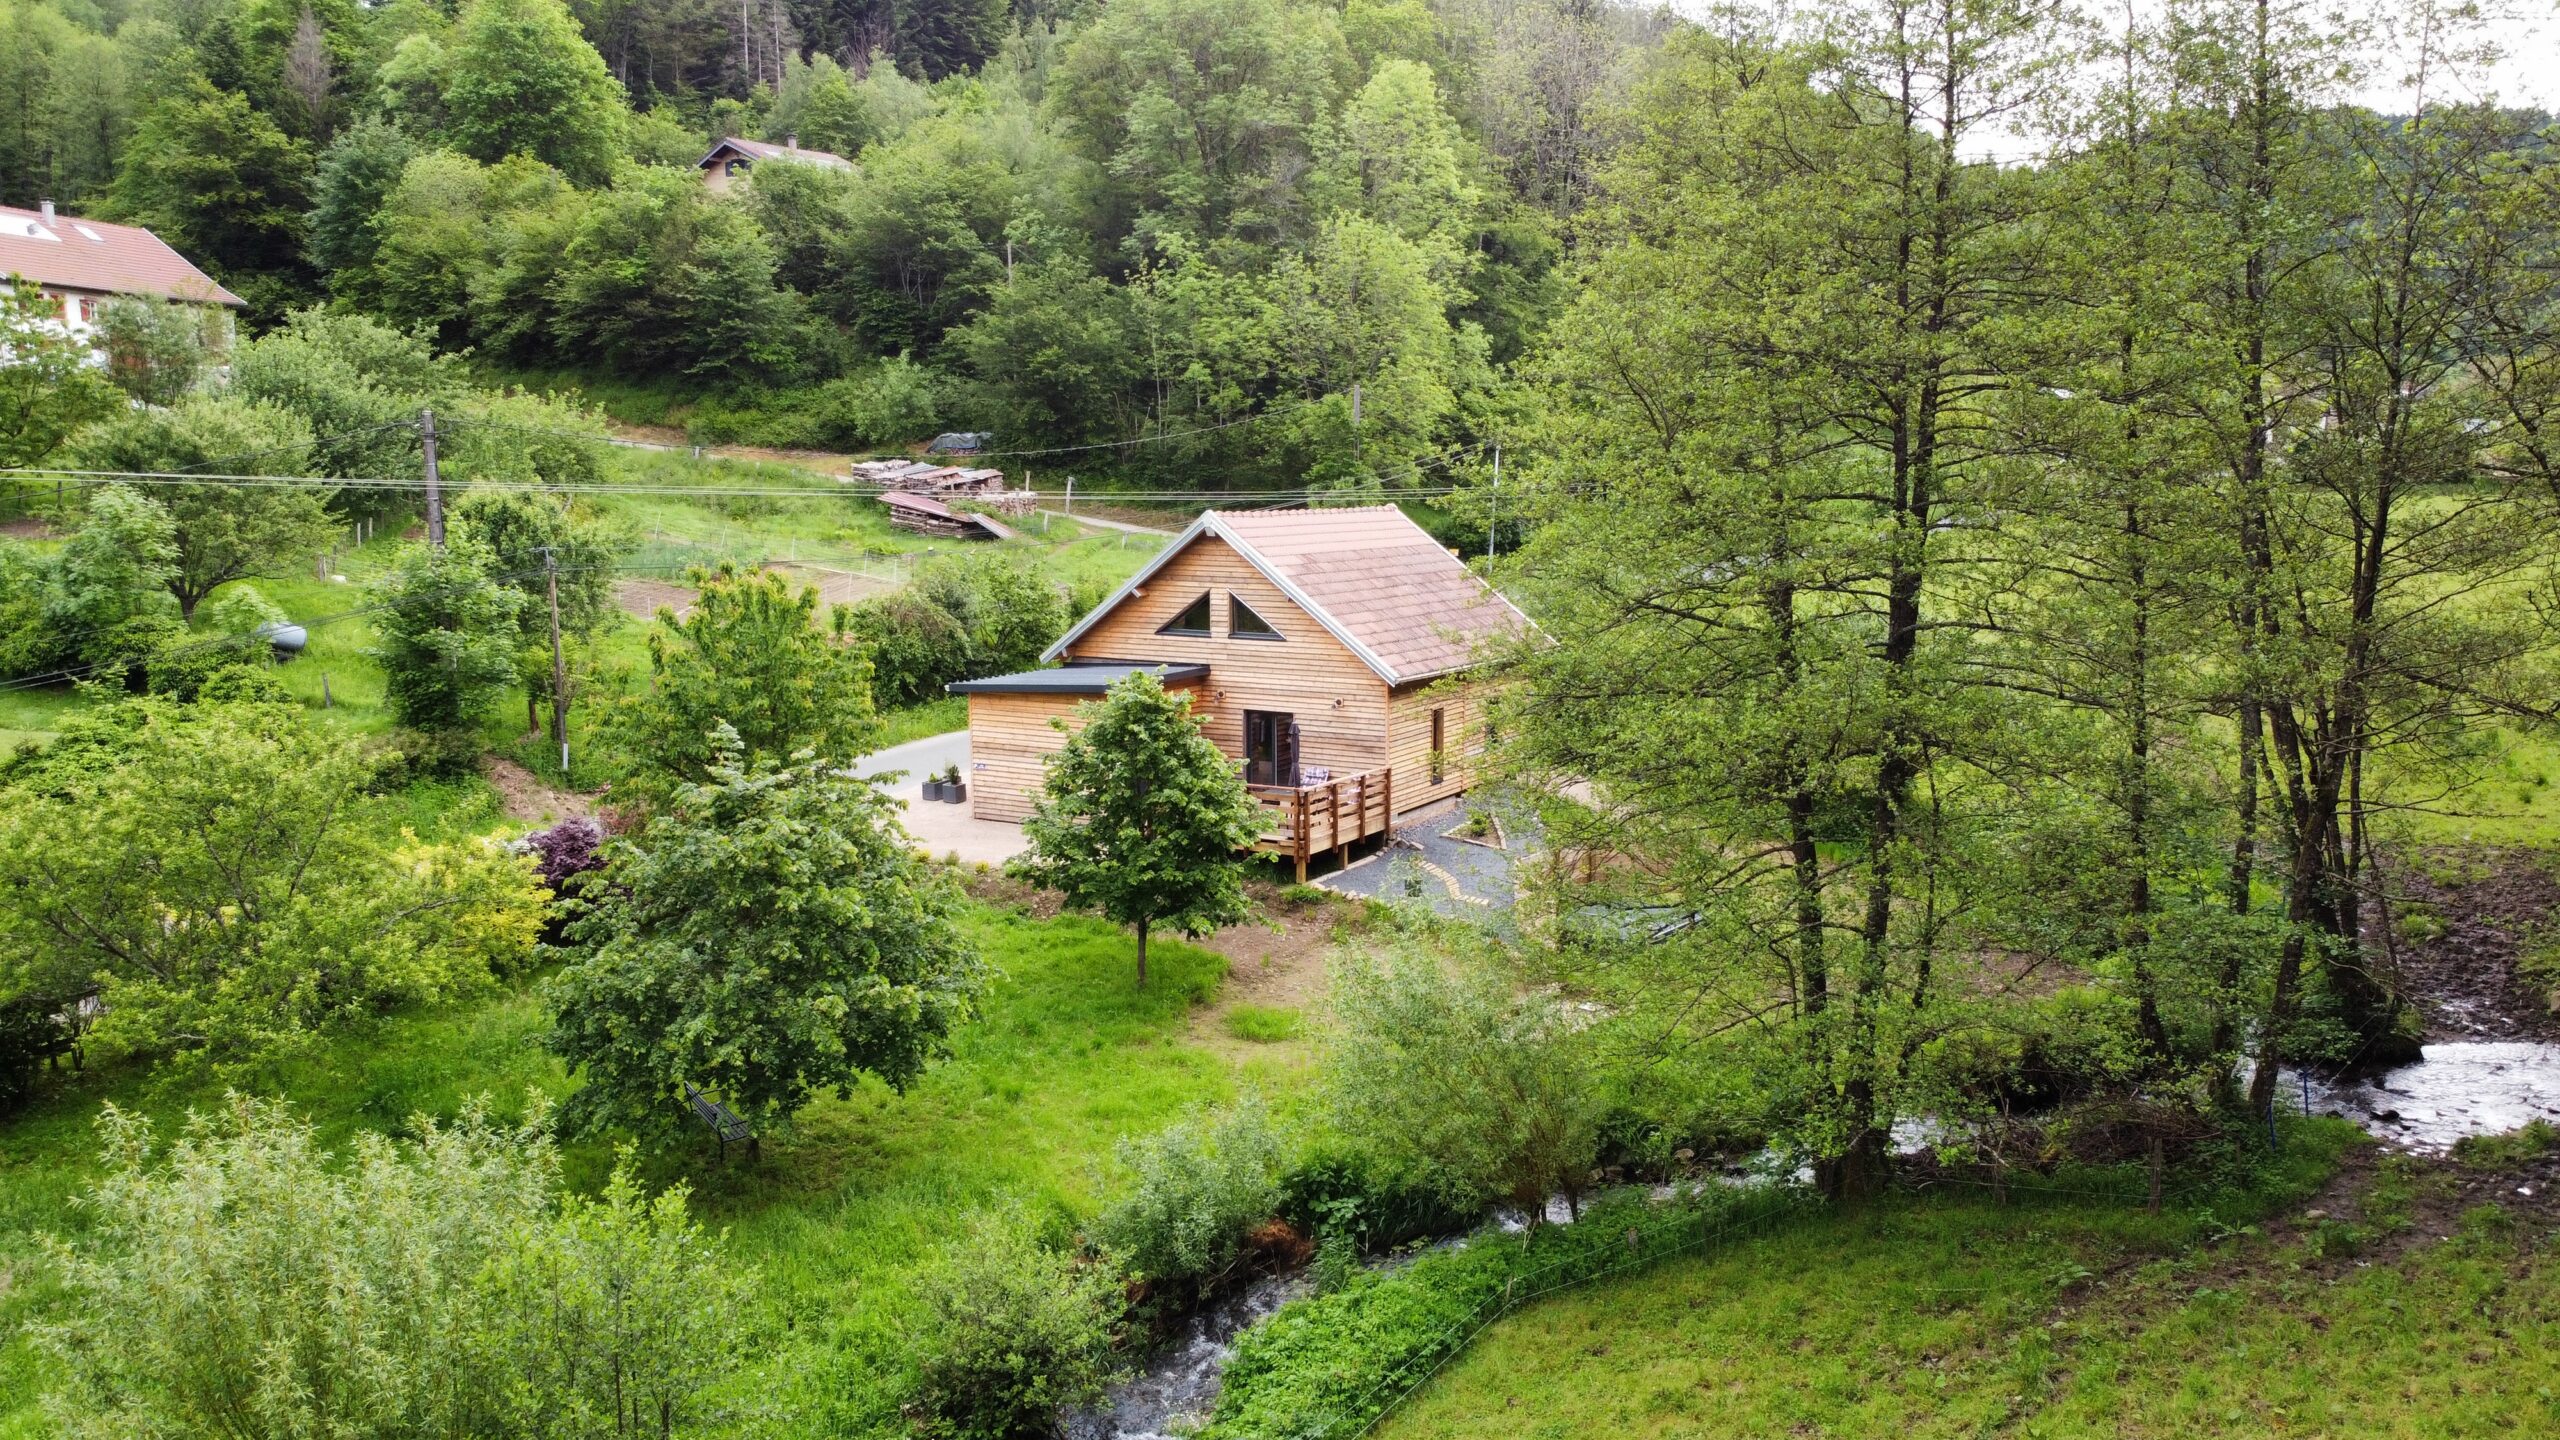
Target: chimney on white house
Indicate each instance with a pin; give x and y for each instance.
(47, 207)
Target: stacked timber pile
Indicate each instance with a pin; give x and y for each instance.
(928, 516)
(915, 477)
(980, 487)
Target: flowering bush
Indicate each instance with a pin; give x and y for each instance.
(566, 849)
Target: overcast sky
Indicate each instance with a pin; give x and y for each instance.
(2523, 34)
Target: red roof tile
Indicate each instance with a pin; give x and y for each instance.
(1404, 596)
(1402, 602)
(79, 254)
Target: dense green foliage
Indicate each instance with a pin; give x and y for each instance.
(448, 634)
(1443, 1068)
(1141, 817)
(1286, 241)
(222, 532)
(967, 615)
(1195, 1192)
(101, 599)
(207, 870)
(749, 657)
(1954, 566)
(206, 867)
(769, 937)
(48, 389)
(244, 1283)
(1014, 1330)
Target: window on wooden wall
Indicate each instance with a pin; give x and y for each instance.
(1194, 619)
(1243, 624)
(1439, 746)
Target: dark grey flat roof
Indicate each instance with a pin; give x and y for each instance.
(1074, 679)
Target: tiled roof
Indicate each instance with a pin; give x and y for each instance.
(1379, 582)
(82, 254)
(762, 150)
(1374, 572)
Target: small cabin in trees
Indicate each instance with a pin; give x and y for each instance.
(1327, 651)
(732, 158)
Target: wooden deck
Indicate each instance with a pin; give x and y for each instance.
(1307, 820)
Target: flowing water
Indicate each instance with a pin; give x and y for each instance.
(1178, 1384)
(2456, 1088)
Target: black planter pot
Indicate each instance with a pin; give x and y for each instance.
(933, 790)
(957, 792)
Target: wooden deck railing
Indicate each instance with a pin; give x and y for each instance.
(1307, 820)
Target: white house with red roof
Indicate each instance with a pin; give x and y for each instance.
(85, 263)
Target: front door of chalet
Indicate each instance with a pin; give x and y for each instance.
(1270, 748)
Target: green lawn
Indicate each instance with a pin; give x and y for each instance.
(2512, 797)
(1070, 1057)
(2048, 1320)
(671, 531)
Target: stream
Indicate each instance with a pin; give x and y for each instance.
(1178, 1382)
(2456, 1088)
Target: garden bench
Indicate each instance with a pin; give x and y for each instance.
(724, 1122)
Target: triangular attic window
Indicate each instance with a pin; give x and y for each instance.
(1245, 625)
(1194, 619)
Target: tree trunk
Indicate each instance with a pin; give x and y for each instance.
(2137, 801)
(1143, 922)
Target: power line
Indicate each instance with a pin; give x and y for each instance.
(82, 671)
(682, 453)
(678, 450)
(839, 491)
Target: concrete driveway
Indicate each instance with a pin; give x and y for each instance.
(944, 829)
(918, 758)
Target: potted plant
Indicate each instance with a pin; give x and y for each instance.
(933, 787)
(953, 789)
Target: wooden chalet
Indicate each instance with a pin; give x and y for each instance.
(1326, 652)
(928, 516)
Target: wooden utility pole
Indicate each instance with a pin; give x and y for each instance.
(559, 670)
(1493, 520)
(435, 498)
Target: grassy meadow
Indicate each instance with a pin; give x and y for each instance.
(822, 536)
(1069, 1057)
(2053, 1318)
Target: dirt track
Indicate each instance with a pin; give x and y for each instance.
(640, 599)
(2484, 903)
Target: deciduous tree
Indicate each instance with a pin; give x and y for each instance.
(522, 80)
(447, 634)
(748, 656)
(48, 389)
(225, 531)
(211, 867)
(1142, 818)
(769, 937)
